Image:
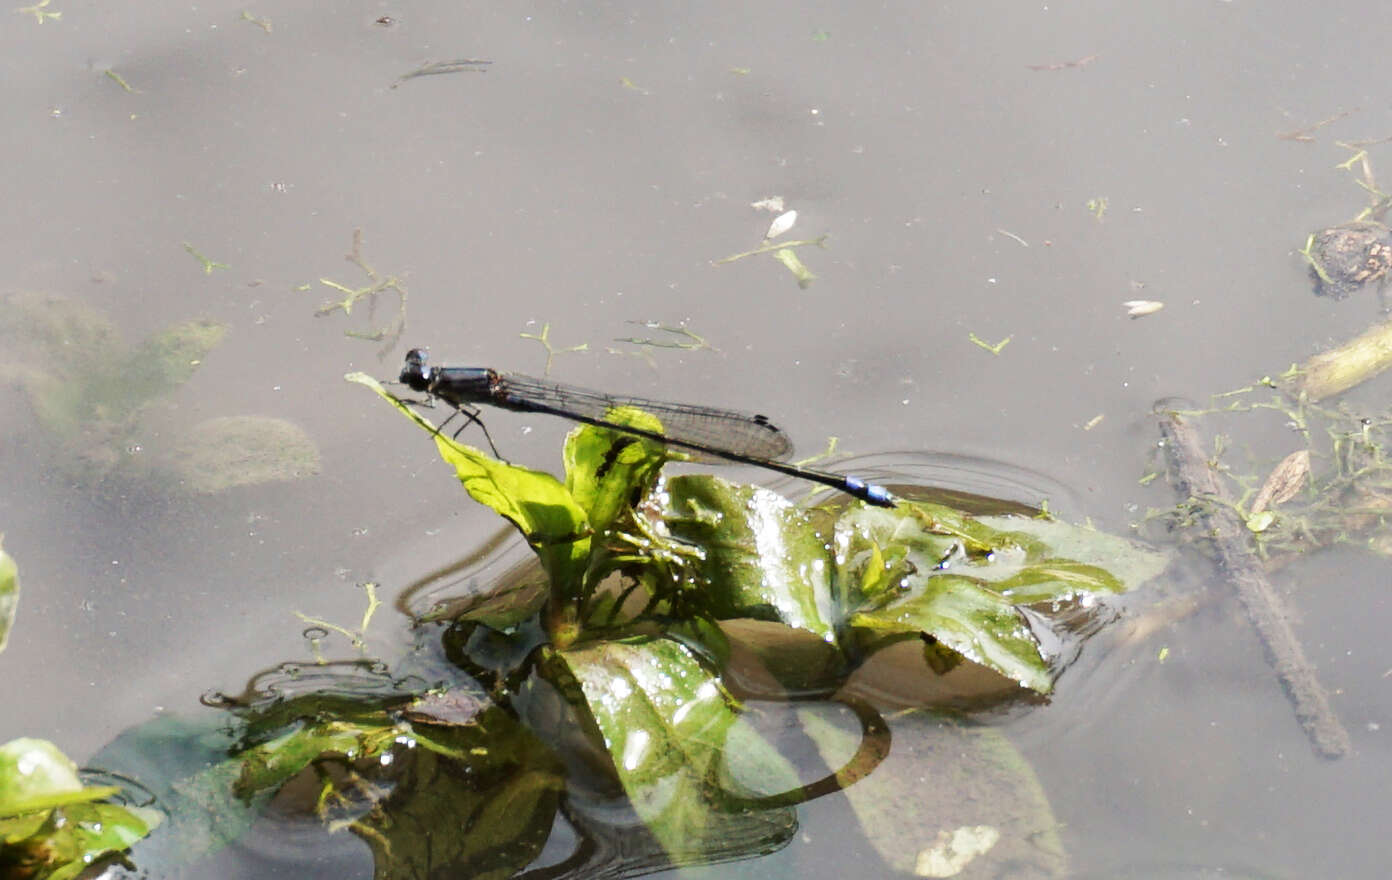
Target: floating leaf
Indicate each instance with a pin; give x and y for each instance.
(763, 557)
(958, 580)
(665, 719)
(50, 824)
(978, 623)
(35, 775)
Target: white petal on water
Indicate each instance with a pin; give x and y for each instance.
(781, 224)
(1139, 308)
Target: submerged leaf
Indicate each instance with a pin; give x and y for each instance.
(86, 387)
(1285, 480)
(925, 807)
(480, 804)
(166, 360)
(223, 453)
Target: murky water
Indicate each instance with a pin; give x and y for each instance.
(589, 179)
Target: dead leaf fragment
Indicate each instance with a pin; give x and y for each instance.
(1284, 481)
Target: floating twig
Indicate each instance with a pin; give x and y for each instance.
(1079, 64)
(1303, 135)
(1194, 478)
(436, 68)
(544, 337)
(768, 247)
(208, 265)
(1007, 233)
(37, 10)
(692, 341)
(993, 348)
(263, 23)
(391, 332)
(119, 80)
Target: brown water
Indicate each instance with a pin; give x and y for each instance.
(588, 179)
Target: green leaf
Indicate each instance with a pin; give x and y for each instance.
(540, 507)
(476, 800)
(1055, 580)
(35, 775)
(931, 570)
(608, 472)
(974, 621)
(266, 767)
(666, 721)
(763, 557)
(9, 593)
(449, 785)
(1129, 563)
(49, 825)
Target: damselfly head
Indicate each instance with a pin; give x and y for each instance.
(416, 374)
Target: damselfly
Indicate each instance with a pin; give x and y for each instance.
(720, 433)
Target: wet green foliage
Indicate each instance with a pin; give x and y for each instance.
(641, 574)
(606, 703)
(52, 827)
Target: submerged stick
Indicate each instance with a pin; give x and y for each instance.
(1358, 360)
(1194, 478)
